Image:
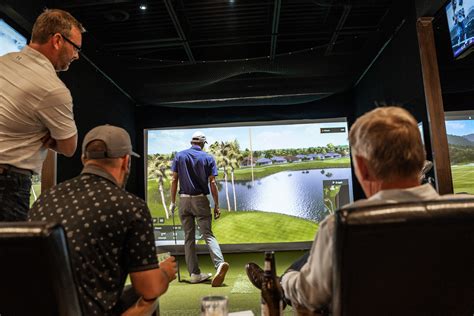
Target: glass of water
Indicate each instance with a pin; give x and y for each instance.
(214, 306)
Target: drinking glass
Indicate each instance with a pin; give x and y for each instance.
(214, 306)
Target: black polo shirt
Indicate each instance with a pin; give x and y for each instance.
(110, 233)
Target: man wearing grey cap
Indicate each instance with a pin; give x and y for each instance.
(109, 231)
(196, 171)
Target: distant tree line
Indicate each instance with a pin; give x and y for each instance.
(343, 150)
(231, 150)
(461, 154)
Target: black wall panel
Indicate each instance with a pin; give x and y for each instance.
(96, 102)
(395, 78)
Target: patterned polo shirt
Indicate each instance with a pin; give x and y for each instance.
(109, 232)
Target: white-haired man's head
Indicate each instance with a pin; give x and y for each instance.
(386, 147)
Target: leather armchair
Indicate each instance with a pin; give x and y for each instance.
(405, 259)
(36, 271)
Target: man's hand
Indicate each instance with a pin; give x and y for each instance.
(217, 212)
(172, 207)
(48, 142)
(168, 267)
(66, 147)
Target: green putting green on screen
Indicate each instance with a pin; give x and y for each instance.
(261, 227)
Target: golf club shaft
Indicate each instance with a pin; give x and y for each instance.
(176, 243)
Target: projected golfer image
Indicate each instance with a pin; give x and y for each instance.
(275, 182)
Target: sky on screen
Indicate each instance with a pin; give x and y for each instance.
(460, 127)
(263, 137)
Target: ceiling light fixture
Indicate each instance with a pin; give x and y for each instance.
(143, 6)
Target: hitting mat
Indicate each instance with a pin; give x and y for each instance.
(242, 285)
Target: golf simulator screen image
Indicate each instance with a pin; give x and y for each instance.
(276, 182)
(460, 130)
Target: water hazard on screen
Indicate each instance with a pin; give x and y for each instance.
(308, 194)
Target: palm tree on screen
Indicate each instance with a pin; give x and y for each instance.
(235, 158)
(159, 168)
(221, 151)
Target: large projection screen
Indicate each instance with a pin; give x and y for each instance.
(276, 181)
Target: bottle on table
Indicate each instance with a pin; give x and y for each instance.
(272, 303)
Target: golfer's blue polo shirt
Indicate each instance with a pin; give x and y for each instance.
(194, 167)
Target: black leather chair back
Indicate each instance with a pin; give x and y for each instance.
(405, 259)
(36, 271)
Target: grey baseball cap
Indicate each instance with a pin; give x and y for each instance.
(116, 140)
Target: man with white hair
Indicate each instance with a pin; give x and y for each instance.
(388, 157)
(195, 170)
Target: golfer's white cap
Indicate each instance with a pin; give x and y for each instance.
(199, 137)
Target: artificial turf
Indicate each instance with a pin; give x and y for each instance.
(183, 298)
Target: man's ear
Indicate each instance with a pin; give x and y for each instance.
(362, 165)
(55, 41)
(125, 162)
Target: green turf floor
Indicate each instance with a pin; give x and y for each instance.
(184, 298)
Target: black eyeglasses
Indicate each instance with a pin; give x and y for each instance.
(77, 48)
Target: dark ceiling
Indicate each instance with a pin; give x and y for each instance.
(188, 52)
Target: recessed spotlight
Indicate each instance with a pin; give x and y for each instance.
(143, 6)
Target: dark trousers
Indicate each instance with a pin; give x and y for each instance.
(14, 196)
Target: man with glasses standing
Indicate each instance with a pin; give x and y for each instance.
(35, 107)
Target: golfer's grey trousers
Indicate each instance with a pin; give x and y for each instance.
(194, 209)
